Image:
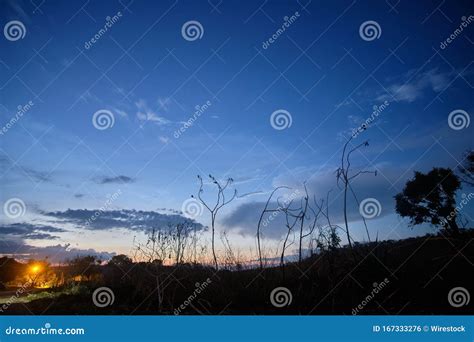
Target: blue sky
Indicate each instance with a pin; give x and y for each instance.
(150, 78)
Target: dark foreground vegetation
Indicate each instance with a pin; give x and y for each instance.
(425, 275)
(412, 276)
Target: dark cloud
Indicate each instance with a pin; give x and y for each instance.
(29, 231)
(245, 217)
(115, 180)
(41, 236)
(13, 236)
(137, 220)
(79, 195)
(54, 254)
(173, 211)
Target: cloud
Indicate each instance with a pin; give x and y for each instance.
(415, 85)
(115, 180)
(55, 254)
(88, 97)
(173, 211)
(144, 113)
(28, 231)
(122, 113)
(245, 217)
(13, 236)
(136, 220)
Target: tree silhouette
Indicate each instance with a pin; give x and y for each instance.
(214, 208)
(345, 175)
(9, 270)
(304, 214)
(291, 220)
(467, 169)
(259, 224)
(430, 198)
(120, 260)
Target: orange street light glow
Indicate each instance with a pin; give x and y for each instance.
(35, 268)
